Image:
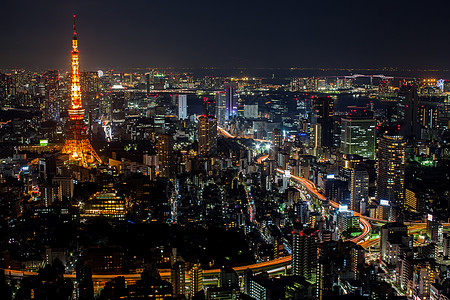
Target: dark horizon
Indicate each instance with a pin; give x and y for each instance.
(403, 35)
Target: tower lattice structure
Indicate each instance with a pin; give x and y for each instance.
(77, 145)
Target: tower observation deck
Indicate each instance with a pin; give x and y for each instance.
(77, 145)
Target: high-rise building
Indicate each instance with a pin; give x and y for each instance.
(221, 107)
(52, 96)
(358, 136)
(209, 106)
(345, 219)
(165, 155)
(5, 89)
(277, 137)
(301, 212)
(231, 105)
(411, 200)
(391, 232)
(305, 253)
(85, 286)
(434, 229)
(429, 120)
(424, 274)
(90, 86)
(446, 245)
(117, 105)
(408, 111)
(178, 278)
(359, 189)
(316, 138)
(391, 169)
(182, 107)
(196, 274)
(77, 145)
(207, 135)
(277, 109)
(323, 113)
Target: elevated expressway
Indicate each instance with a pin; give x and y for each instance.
(312, 190)
(362, 239)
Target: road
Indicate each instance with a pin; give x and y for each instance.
(311, 187)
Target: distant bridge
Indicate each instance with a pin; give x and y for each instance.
(354, 76)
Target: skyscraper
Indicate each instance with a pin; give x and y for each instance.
(391, 169)
(359, 189)
(85, 286)
(182, 107)
(52, 96)
(89, 87)
(196, 274)
(207, 135)
(220, 107)
(408, 111)
(323, 112)
(277, 137)
(209, 106)
(165, 155)
(305, 254)
(358, 136)
(231, 105)
(117, 105)
(178, 278)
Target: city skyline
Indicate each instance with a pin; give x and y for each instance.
(168, 184)
(201, 34)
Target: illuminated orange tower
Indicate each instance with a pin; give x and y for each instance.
(77, 145)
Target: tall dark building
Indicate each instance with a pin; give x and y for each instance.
(5, 89)
(89, 88)
(52, 96)
(209, 106)
(305, 254)
(408, 111)
(323, 113)
(118, 105)
(147, 82)
(165, 155)
(85, 286)
(228, 278)
(207, 135)
(391, 169)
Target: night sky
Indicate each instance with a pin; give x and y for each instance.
(155, 33)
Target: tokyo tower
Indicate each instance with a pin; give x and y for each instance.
(77, 145)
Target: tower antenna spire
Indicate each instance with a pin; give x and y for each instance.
(74, 27)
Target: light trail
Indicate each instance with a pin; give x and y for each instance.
(269, 266)
(229, 135)
(311, 187)
(262, 158)
(225, 133)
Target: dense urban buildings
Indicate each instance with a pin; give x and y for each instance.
(166, 183)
